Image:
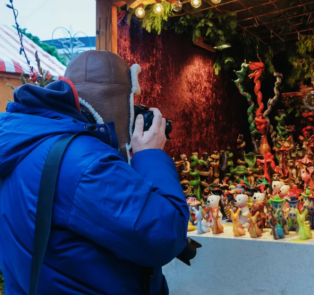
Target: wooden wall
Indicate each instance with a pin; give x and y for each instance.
(6, 92)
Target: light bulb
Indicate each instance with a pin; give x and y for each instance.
(140, 12)
(216, 1)
(177, 6)
(196, 3)
(158, 9)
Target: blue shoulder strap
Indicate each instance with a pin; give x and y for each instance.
(46, 194)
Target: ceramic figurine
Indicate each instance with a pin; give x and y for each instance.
(240, 146)
(292, 217)
(223, 164)
(228, 202)
(250, 111)
(268, 159)
(277, 230)
(276, 186)
(215, 165)
(261, 123)
(271, 103)
(276, 202)
(282, 221)
(254, 230)
(216, 215)
(293, 173)
(238, 229)
(241, 203)
(202, 226)
(206, 174)
(258, 206)
(184, 171)
(306, 199)
(304, 230)
(195, 174)
(306, 175)
(310, 208)
(292, 220)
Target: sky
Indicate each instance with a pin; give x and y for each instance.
(42, 17)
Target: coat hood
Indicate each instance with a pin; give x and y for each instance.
(40, 113)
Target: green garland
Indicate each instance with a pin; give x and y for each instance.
(50, 49)
(221, 28)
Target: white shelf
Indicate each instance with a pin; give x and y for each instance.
(228, 265)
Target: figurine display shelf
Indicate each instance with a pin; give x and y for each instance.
(304, 230)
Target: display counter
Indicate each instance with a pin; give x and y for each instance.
(245, 266)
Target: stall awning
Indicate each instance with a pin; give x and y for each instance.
(12, 62)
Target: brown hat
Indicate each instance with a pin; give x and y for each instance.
(105, 82)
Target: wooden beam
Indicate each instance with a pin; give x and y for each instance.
(200, 43)
(103, 25)
(114, 30)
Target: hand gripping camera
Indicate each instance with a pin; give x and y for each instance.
(148, 119)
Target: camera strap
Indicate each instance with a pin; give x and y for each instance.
(46, 194)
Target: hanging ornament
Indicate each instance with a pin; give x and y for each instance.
(140, 11)
(216, 1)
(177, 6)
(158, 9)
(196, 3)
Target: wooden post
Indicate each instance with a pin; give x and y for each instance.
(107, 23)
(106, 26)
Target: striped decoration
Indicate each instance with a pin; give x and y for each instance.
(12, 62)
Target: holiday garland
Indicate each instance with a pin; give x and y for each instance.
(220, 28)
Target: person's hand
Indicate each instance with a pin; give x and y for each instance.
(154, 138)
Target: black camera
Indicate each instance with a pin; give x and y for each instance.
(148, 119)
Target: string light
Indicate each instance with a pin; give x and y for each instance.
(216, 1)
(32, 74)
(140, 11)
(196, 3)
(177, 6)
(158, 9)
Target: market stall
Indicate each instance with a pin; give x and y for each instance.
(228, 74)
(244, 155)
(13, 64)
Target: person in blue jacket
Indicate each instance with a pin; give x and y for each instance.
(113, 222)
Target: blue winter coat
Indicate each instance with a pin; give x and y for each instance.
(109, 219)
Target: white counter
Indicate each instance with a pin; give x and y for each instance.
(244, 266)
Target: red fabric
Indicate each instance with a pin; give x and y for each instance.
(178, 77)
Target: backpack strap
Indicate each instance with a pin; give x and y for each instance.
(46, 194)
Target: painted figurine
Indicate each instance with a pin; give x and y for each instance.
(292, 217)
(254, 230)
(195, 175)
(277, 230)
(282, 221)
(304, 230)
(241, 203)
(238, 229)
(259, 206)
(216, 215)
(202, 226)
(310, 209)
(276, 202)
